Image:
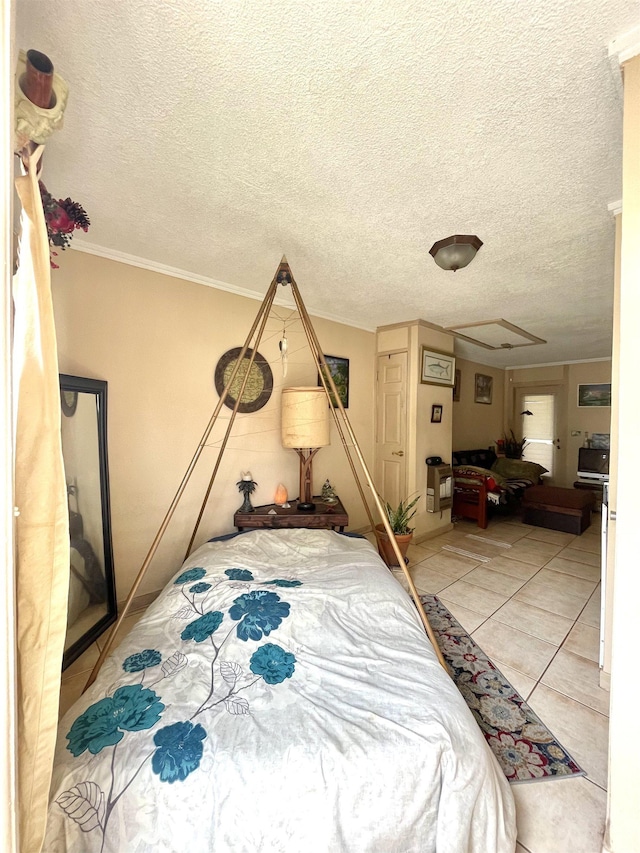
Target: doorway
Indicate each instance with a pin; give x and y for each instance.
(391, 427)
(538, 415)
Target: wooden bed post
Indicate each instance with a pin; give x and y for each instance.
(260, 321)
(283, 276)
(330, 388)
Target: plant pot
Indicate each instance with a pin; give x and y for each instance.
(385, 548)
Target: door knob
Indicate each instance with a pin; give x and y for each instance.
(397, 452)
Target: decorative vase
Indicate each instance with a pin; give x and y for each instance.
(385, 548)
(246, 506)
(38, 80)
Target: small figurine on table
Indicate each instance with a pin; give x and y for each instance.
(328, 493)
(247, 487)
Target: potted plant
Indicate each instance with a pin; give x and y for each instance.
(513, 447)
(399, 518)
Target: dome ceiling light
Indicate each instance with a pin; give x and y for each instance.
(455, 252)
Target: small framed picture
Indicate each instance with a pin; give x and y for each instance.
(594, 395)
(339, 370)
(436, 414)
(456, 386)
(437, 368)
(483, 389)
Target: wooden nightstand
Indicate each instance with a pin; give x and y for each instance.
(271, 516)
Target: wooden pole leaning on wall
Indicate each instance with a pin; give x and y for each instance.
(239, 395)
(263, 313)
(329, 385)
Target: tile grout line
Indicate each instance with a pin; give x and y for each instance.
(542, 674)
(510, 598)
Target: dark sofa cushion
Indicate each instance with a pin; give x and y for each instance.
(481, 458)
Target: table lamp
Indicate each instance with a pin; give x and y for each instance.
(305, 429)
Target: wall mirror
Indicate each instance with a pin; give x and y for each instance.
(92, 595)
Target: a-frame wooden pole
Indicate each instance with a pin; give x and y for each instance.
(283, 276)
(328, 384)
(263, 322)
(262, 314)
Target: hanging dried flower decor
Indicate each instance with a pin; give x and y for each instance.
(62, 216)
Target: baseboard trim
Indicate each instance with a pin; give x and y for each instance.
(431, 534)
(140, 602)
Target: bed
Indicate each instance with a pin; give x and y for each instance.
(279, 695)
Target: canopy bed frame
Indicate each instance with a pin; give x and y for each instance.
(283, 688)
(283, 277)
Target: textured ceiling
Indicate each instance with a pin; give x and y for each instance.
(215, 135)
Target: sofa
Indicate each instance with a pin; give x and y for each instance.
(482, 480)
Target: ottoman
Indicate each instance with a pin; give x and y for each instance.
(557, 509)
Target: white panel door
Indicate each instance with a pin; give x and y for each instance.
(391, 427)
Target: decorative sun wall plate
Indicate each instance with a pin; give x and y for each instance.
(259, 384)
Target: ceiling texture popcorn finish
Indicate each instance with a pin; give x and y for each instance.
(212, 137)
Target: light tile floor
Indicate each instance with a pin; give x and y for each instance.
(534, 608)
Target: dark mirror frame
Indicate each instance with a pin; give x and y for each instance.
(73, 386)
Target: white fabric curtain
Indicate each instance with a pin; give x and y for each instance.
(42, 535)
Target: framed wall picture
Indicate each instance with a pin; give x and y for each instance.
(339, 370)
(483, 389)
(437, 368)
(598, 394)
(456, 386)
(436, 414)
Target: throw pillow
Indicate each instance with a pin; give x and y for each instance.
(459, 471)
(516, 469)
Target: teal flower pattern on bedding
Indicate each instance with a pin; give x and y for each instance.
(177, 748)
(179, 751)
(259, 613)
(203, 627)
(103, 724)
(190, 575)
(239, 575)
(141, 660)
(272, 663)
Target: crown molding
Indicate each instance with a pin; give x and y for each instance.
(185, 275)
(625, 47)
(556, 363)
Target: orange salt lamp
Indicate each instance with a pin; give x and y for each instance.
(281, 496)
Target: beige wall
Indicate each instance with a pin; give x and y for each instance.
(571, 418)
(584, 419)
(477, 424)
(156, 340)
(423, 438)
(430, 439)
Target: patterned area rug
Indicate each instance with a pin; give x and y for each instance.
(525, 748)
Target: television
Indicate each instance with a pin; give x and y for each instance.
(593, 463)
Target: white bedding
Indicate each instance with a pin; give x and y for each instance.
(361, 742)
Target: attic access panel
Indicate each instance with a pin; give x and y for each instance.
(495, 334)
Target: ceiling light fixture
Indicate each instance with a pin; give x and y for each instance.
(455, 252)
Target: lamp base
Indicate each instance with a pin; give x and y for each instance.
(306, 506)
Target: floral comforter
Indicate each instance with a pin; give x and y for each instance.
(280, 695)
